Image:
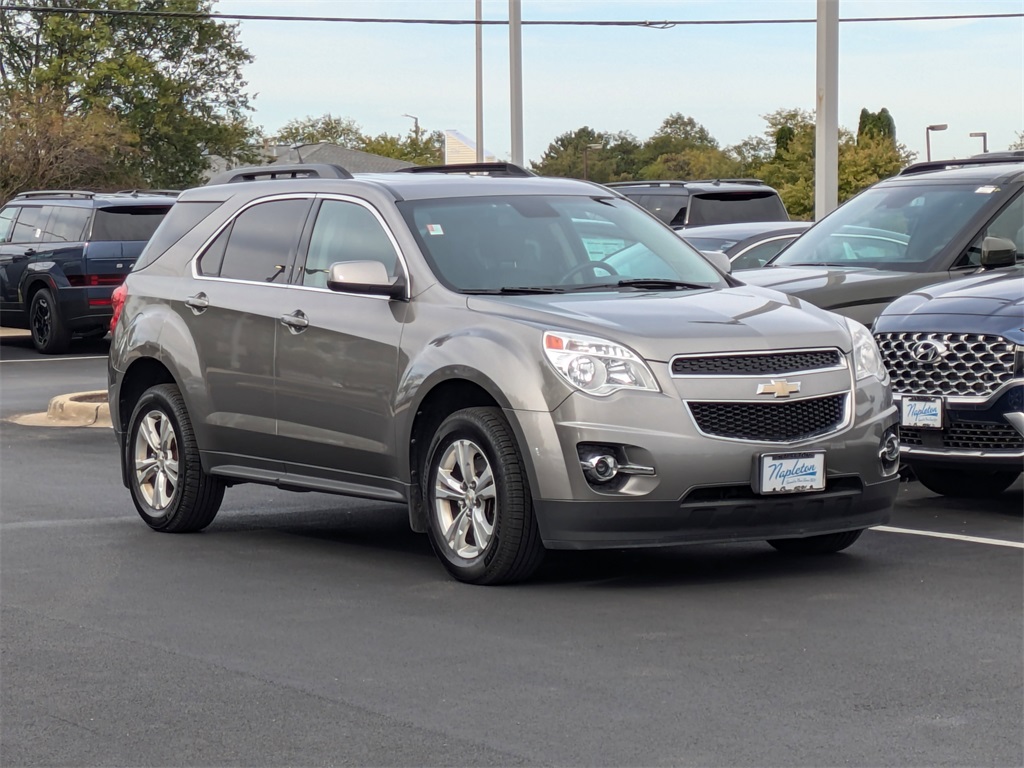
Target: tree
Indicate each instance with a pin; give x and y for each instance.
(42, 147)
(1019, 142)
(877, 125)
(676, 134)
(427, 148)
(174, 83)
(343, 131)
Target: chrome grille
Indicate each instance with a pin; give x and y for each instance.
(769, 364)
(771, 422)
(967, 436)
(966, 364)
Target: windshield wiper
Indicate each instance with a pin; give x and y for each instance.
(657, 284)
(814, 264)
(513, 290)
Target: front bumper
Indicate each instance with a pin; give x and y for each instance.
(988, 433)
(703, 487)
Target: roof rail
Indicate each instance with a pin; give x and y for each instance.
(137, 192)
(276, 172)
(646, 183)
(728, 181)
(55, 193)
(992, 158)
(473, 169)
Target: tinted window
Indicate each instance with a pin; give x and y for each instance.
(129, 223)
(182, 218)
(904, 227)
(669, 208)
(495, 243)
(1009, 225)
(730, 207)
(345, 232)
(263, 240)
(7, 223)
(757, 256)
(66, 224)
(28, 228)
(213, 257)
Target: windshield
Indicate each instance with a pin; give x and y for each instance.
(902, 227)
(556, 243)
(731, 207)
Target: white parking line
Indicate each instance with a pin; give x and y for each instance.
(55, 359)
(956, 536)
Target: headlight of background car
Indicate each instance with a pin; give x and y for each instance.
(867, 360)
(597, 366)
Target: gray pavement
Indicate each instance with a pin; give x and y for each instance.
(305, 629)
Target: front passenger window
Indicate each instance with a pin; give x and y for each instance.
(1009, 225)
(345, 232)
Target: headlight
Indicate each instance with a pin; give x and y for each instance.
(867, 360)
(597, 366)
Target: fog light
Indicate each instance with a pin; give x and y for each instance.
(889, 452)
(600, 468)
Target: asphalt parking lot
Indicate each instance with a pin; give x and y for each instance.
(306, 629)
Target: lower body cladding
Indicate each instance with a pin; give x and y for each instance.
(652, 479)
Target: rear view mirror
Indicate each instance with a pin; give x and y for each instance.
(369, 277)
(998, 252)
(719, 259)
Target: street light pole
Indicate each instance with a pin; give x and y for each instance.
(415, 126)
(586, 151)
(928, 138)
(983, 135)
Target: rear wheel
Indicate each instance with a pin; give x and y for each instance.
(170, 490)
(49, 333)
(966, 483)
(816, 545)
(480, 515)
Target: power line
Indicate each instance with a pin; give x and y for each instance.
(666, 24)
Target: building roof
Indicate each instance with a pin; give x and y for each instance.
(354, 160)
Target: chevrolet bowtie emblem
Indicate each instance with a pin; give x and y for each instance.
(779, 388)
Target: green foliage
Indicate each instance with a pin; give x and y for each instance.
(343, 131)
(422, 149)
(876, 125)
(1019, 142)
(174, 84)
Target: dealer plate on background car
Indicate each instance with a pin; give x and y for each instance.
(921, 412)
(792, 472)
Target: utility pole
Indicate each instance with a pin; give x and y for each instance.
(515, 50)
(479, 82)
(826, 135)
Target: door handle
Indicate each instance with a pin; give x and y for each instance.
(22, 256)
(198, 303)
(296, 322)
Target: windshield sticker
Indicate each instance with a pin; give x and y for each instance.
(434, 229)
(987, 190)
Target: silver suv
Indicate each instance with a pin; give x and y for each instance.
(527, 363)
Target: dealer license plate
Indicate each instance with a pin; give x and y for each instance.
(921, 412)
(792, 472)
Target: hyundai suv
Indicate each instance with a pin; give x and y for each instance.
(63, 252)
(525, 362)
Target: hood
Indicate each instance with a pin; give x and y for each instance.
(661, 324)
(837, 288)
(988, 303)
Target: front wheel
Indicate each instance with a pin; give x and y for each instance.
(480, 515)
(170, 490)
(966, 483)
(825, 544)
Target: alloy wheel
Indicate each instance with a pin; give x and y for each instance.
(156, 460)
(465, 499)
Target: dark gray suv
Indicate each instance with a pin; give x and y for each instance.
(527, 363)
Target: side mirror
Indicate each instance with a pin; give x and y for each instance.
(369, 277)
(719, 259)
(998, 252)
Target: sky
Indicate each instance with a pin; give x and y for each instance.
(965, 73)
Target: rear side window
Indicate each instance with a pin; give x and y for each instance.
(66, 224)
(263, 241)
(7, 223)
(730, 207)
(671, 209)
(128, 223)
(174, 226)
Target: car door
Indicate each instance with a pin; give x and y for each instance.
(232, 309)
(20, 248)
(337, 354)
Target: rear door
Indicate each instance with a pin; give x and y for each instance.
(232, 310)
(21, 247)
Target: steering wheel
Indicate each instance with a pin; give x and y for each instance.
(587, 266)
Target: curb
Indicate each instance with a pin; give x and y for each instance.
(77, 409)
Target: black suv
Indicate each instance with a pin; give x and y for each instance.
(682, 204)
(62, 253)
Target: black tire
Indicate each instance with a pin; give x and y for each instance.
(512, 550)
(49, 333)
(966, 483)
(825, 544)
(195, 496)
